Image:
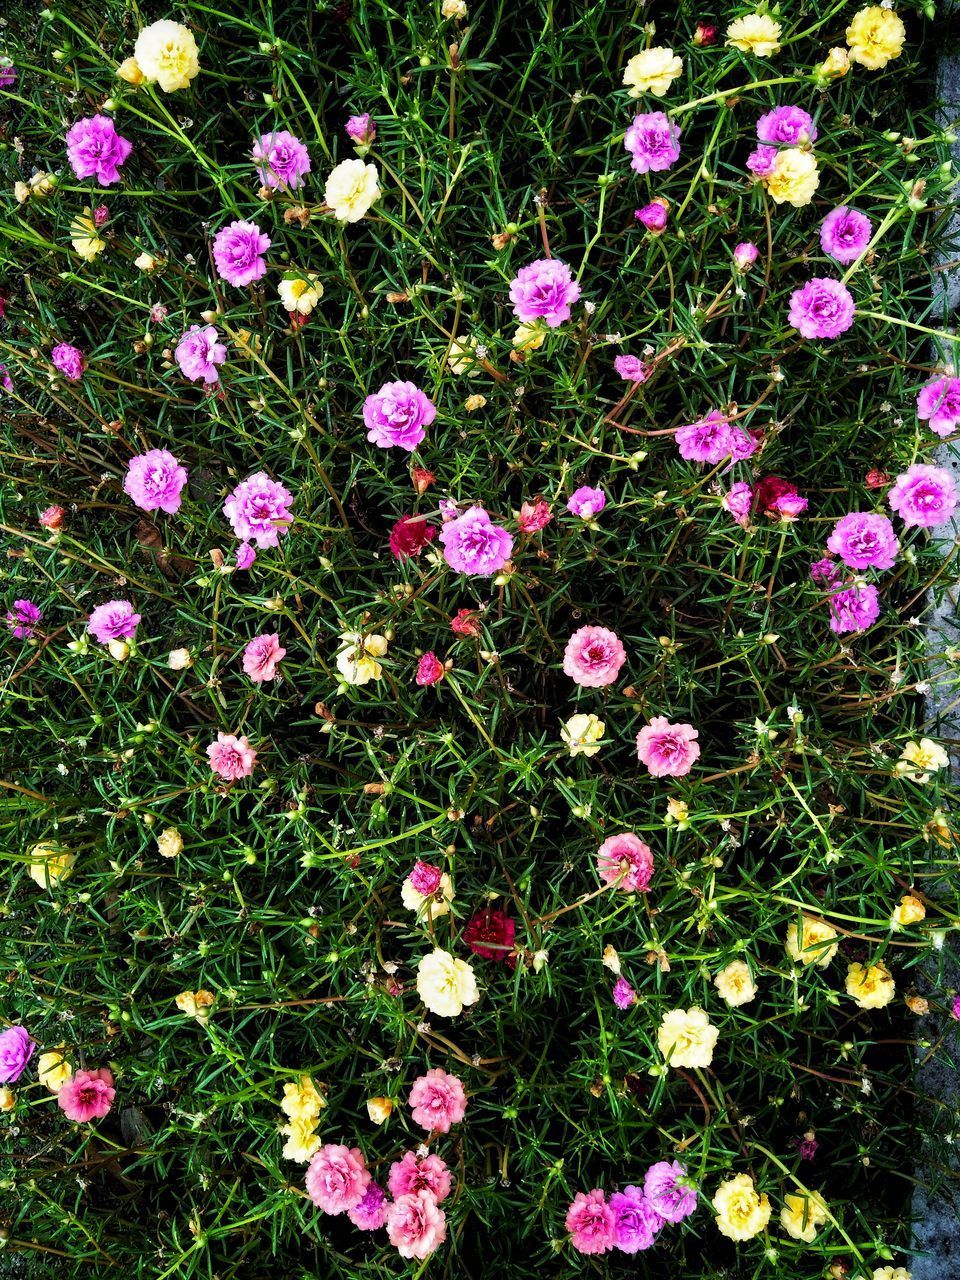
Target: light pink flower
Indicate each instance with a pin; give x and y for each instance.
(261, 656)
(544, 289)
(16, 1050)
(739, 502)
(198, 354)
(653, 141)
(396, 415)
(924, 495)
(473, 544)
(624, 860)
(87, 1095)
(631, 368)
(114, 620)
(586, 502)
(238, 251)
(231, 757)
(70, 361)
(281, 159)
(416, 1225)
(593, 657)
(413, 1173)
(591, 1222)
(259, 510)
(96, 150)
(939, 405)
(361, 129)
(154, 481)
(337, 1178)
(438, 1099)
(246, 554)
(668, 750)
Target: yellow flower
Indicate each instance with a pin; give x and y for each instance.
(8, 1099)
(119, 650)
(53, 1069)
(302, 1100)
(357, 661)
(462, 357)
(432, 905)
(806, 945)
(167, 53)
(652, 71)
(169, 842)
(43, 184)
(453, 9)
(179, 659)
(351, 189)
(875, 36)
(301, 1142)
(379, 1109)
(145, 262)
(920, 759)
(472, 403)
(872, 987)
(611, 960)
(742, 1213)
(835, 65)
(891, 1273)
(582, 734)
(756, 33)
(300, 291)
(529, 336)
(446, 984)
(84, 238)
(129, 70)
(795, 178)
(49, 864)
(678, 811)
(196, 1004)
(735, 983)
(686, 1038)
(801, 1215)
(910, 911)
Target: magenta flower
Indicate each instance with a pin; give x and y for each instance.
(259, 510)
(653, 142)
(22, 618)
(337, 1178)
(95, 149)
(823, 308)
(845, 233)
(624, 860)
(425, 878)
(281, 161)
(586, 502)
(744, 256)
(713, 439)
(238, 251)
(199, 353)
(854, 609)
(939, 405)
(668, 750)
(246, 554)
(636, 1222)
(624, 996)
(762, 161)
(8, 73)
(261, 655)
(16, 1050)
(114, 620)
(154, 481)
(430, 670)
(825, 573)
(786, 125)
(438, 1099)
(361, 129)
(653, 216)
(924, 495)
(473, 544)
(593, 657)
(87, 1095)
(371, 1213)
(863, 539)
(631, 368)
(69, 360)
(955, 1008)
(591, 1222)
(413, 1173)
(231, 757)
(667, 1190)
(739, 502)
(6, 382)
(396, 415)
(546, 290)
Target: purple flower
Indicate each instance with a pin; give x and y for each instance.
(259, 510)
(396, 415)
(762, 161)
(114, 620)
(16, 1050)
(924, 495)
(712, 439)
(361, 129)
(955, 1008)
(246, 554)
(586, 502)
(238, 251)
(69, 360)
(154, 481)
(281, 161)
(631, 368)
(8, 73)
(636, 1222)
(823, 308)
(6, 382)
(371, 1213)
(845, 233)
(863, 539)
(623, 994)
(854, 609)
(939, 405)
(198, 353)
(22, 618)
(786, 125)
(668, 1192)
(544, 289)
(825, 573)
(739, 502)
(472, 543)
(653, 216)
(95, 149)
(653, 142)
(744, 256)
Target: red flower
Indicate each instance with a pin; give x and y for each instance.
(705, 34)
(466, 623)
(410, 535)
(422, 479)
(775, 496)
(876, 478)
(490, 934)
(534, 515)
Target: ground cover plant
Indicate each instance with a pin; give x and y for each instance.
(470, 518)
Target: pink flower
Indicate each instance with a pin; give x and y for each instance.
(668, 750)
(281, 161)
(939, 404)
(623, 994)
(238, 251)
(6, 382)
(586, 502)
(863, 539)
(653, 216)
(593, 657)
(636, 1222)
(631, 368)
(626, 862)
(22, 618)
(87, 1095)
(410, 535)
(438, 1100)
(69, 360)
(534, 516)
(154, 481)
(955, 1008)
(739, 502)
(246, 554)
(231, 757)
(825, 573)
(95, 149)
(259, 510)
(415, 1173)
(744, 256)
(430, 670)
(100, 215)
(666, 1188)
(261, 656)
(396, 415)
(786, 125)
(337, 1178)
(371, 1213)
(777, 497)
(51, 518)
(924, 495)
(713, 439)
(114, 620)
(416, 1225)
(546, 290)
(473, 544)
(8, 73)
(198, 353)
(854, 609)
(823, 308)
(591, 1222)
(466, 623)
(653, 142)
(845, 233)
(425, 878)
(361, 129)
(16, 1050)
(762, 161)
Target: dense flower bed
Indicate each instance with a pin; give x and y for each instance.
(471, 510)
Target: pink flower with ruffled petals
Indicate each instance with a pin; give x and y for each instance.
(430, 670)
(668, 750)
(416, 1225)
(844, 234)
(87, 1095)
(96, 150)
(924, 495)
(473, 544)
(631, 368)
(261, 656)
(337, 1178)
(624, 860)
(739, 502)
(668, 1190)
(534, 516)
(863, 540)
(438, 1100)
(413, 1173)
(69, 360)
(22, 618)
(586, 502)
(591, 1222)
(238, 251)
(371, 1213)
(425, 878)
(938, 404)
(545, 290)
(593, 657)
(636, 1221)
(16, 1050)
(624, 995)
(259, 510)
(231, 757)
(787, 125)
(396, 415)
(281, 160)
(246, 554)
(155, 481)
(653, 141)
(855, 609)
(361, 129)
(114, 620)
(199, 353)
(822, 308)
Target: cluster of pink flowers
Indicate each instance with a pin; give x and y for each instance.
(631, 1219)
(772, 496)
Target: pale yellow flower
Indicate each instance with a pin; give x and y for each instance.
(921, 759)
(813, 943)
(678, 811)
(686, 1038)
(169, 842)
(611, 959)
(891, 1273)
(379, 1109)
(472, 403)
(53, 1069)
(300, 291)
(875, 36)
(453, 9)
(357, 662)
(351, 189)
(529, 336)
(431, 905)
(756, 33)
(735, 983)
(179, 659)
(802, 1215)
(461, 357)
(302, 1142)
(129, 70)
(167, 53)
(910, 911)
(742, 1212)
(835, 65)
(196, 1004)
(146, 261)
(445, 984)
(43, 184)
(582, 734)
(84, 238)
(652, 71)
(119, 650)
(8, 1099)
(795, 177)
(302, 1100)
(872, 988)
(50, 864)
